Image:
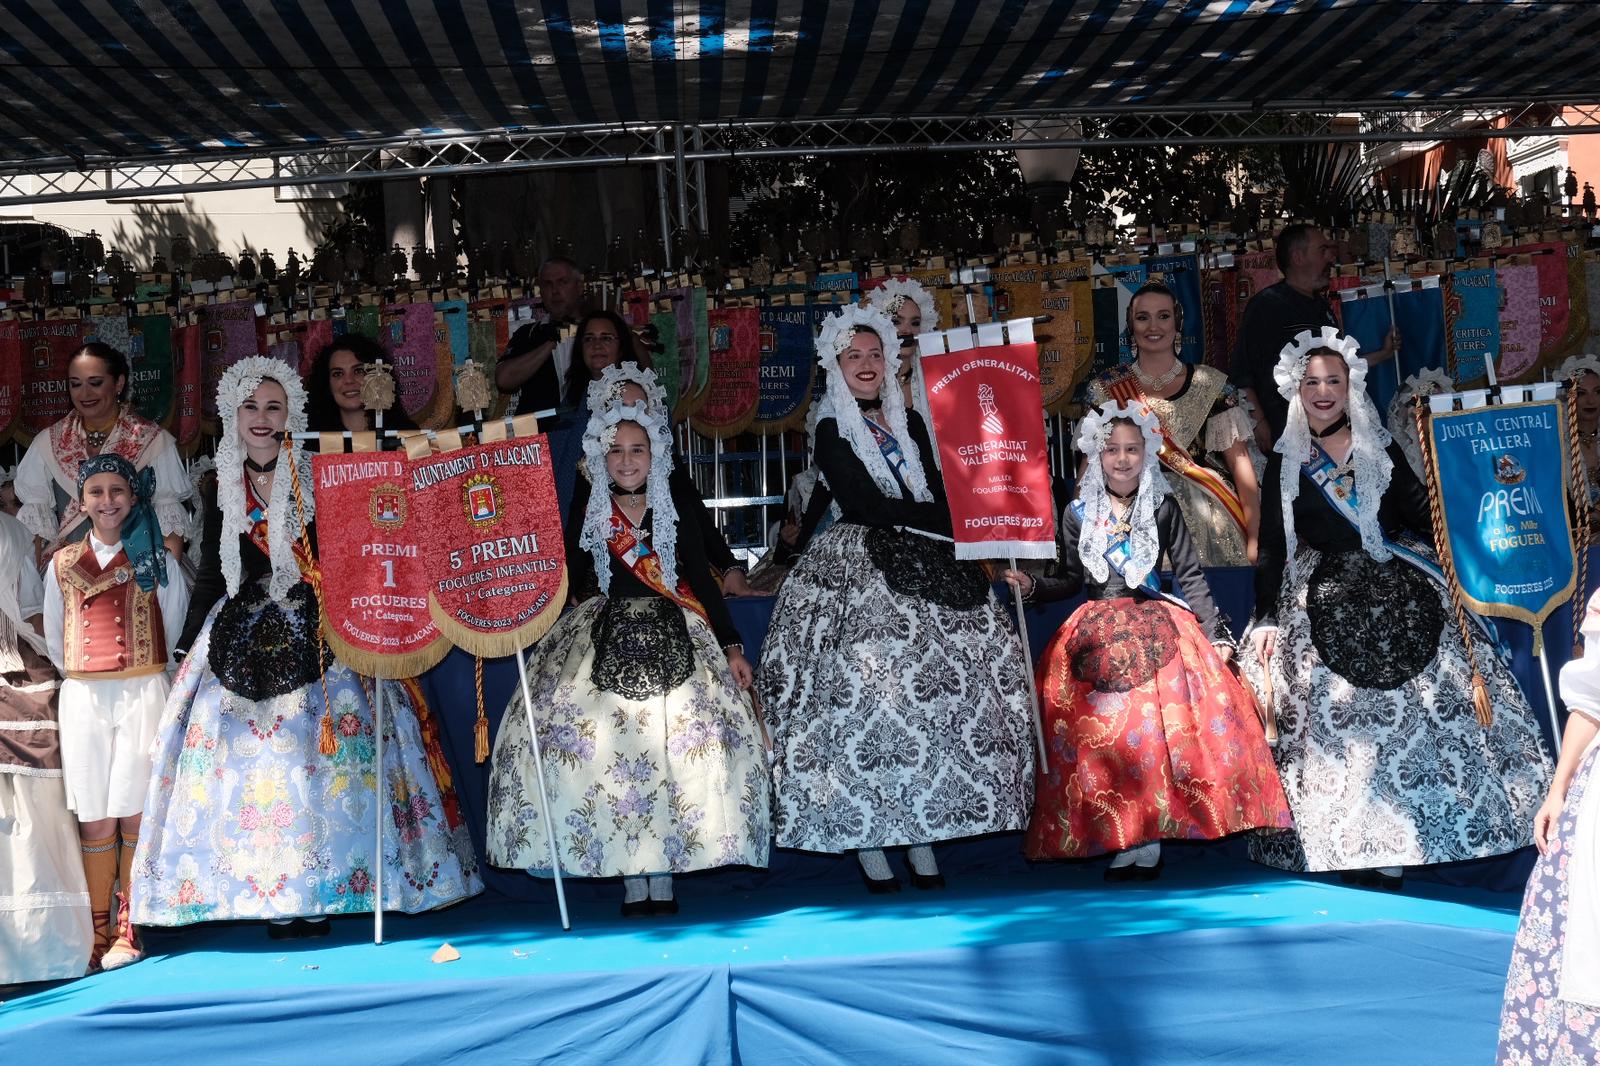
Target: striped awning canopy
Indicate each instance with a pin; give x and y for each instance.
(114, 79)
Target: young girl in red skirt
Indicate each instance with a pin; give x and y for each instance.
(1150, 735)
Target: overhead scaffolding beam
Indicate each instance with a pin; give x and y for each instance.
(680, 149)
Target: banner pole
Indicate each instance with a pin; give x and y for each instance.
(544, 798)
(1033, 688)
(378, 806)
(1388, 292)
(1549, 690)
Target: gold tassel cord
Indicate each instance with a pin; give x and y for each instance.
(480, 731)
(327, 743)
(1441, 543)
(1582, 516)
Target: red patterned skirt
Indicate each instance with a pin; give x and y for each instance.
(1150, 736)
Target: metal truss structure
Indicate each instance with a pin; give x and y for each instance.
(679, 151)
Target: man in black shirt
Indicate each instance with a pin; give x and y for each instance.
(1275, 314)
(536, 358)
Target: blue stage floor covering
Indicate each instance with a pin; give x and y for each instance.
(1220, 961)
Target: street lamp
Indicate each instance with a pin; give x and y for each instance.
(1047, 172)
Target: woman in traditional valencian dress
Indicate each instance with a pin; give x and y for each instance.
(1204, 454)
(893, 686)
(1150, 734)
(45, 929)
(1552, 1002)
(101, 421)
(653, 758)
(264, 797)
(1402, 414)
(1381, 754)
(910, 307)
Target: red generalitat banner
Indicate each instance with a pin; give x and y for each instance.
(733, 390)
(187, 385)
(493, 554)
(10, 377)
(988, 421)
(374, 581)
(45, 348)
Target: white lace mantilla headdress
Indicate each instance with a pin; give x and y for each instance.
(840, 405)
(603, 390)
(891, 294)
(283, 522)
(1144, 539)
(597, 440)
(1368, 438)
(1572, 368)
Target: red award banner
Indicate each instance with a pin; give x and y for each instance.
(10, 377)
(989, 421)
(374, 583)
(734, 388)
(493, 554)
(45, 347)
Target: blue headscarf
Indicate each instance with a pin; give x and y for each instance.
(141, 532)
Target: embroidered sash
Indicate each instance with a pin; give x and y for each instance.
(1177, 459)
(891, 453)
(257, 512)
(1118, 554)
(636, 554)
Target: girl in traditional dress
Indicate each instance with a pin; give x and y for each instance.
(112, 602)
(653, 758)
(1204, 430)
(629, 383)
(1353, 648)
(1150, 734)
(101, 423)
(45, 930)
(264, 795)
(1552, 1002)
(890, 679)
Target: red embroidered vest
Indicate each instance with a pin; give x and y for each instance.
(113, 628)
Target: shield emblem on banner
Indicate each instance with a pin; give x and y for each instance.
(483, 505)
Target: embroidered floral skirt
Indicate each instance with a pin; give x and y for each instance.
(1380, 753)
(653, 759)
(246, 818)
(1150, 736)
(895, 719)
(1536, 1024)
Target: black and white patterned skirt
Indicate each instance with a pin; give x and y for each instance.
(894, 719)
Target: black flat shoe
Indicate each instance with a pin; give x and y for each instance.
(1388, 882)
(927, 881)
(308, 929)
(1121, 874)
(1151, 873)
(663, 906)
(880, 888)
(1356, 877)
(286, 931)
(639, 908)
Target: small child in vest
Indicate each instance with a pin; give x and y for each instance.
(113, 605)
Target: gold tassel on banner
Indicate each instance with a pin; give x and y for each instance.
(326, 744)
(480, 731)
(1480, 699)
(1441, 542)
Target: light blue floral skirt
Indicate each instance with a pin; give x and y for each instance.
(246, 818)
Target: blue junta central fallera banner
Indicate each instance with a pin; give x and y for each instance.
(1502, 475)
